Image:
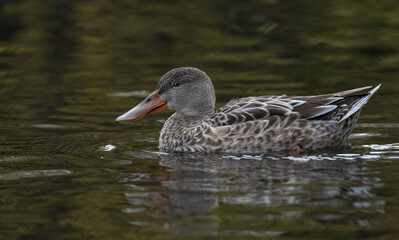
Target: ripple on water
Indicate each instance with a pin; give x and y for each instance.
(34, 174)
(118, 162)
(142, 93)
(363, 135)
(48, 126)
(17, 158)
(145, 154)
(389, 146)
(134, 210)
(249, 157)
(378, 125)
(247, 233)
(304, 158)
(370, 157)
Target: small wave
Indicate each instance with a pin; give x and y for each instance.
(378, 125)
(48, 126)
(389, 146)
(141, 93)
(33, 174)
(363, 135)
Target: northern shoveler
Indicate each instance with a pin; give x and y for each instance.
(247, 125)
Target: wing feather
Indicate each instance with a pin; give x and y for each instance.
(251, 109)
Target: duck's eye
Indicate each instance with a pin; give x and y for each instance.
(176, 84)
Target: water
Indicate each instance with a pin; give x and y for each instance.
(69, 68)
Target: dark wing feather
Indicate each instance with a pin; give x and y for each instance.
(326, 106)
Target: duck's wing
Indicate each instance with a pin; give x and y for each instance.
(260, 108)
(253, 108)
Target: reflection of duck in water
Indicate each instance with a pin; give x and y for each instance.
(198, 182)
(247, 125)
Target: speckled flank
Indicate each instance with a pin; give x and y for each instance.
(277, 133)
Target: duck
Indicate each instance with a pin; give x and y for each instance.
(249, 125)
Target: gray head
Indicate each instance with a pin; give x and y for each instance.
(187, 90)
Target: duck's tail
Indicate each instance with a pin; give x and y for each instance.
(349, 119)
(358, 105)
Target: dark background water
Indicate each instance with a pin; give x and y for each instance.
(68, 68)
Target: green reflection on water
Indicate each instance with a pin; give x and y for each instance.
(63, 63)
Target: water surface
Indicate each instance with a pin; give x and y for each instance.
(69, 68)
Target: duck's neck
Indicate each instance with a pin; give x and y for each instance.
(197, 108)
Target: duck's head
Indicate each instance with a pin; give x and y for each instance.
(187, 90)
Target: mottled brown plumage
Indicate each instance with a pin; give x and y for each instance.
(252, 124)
